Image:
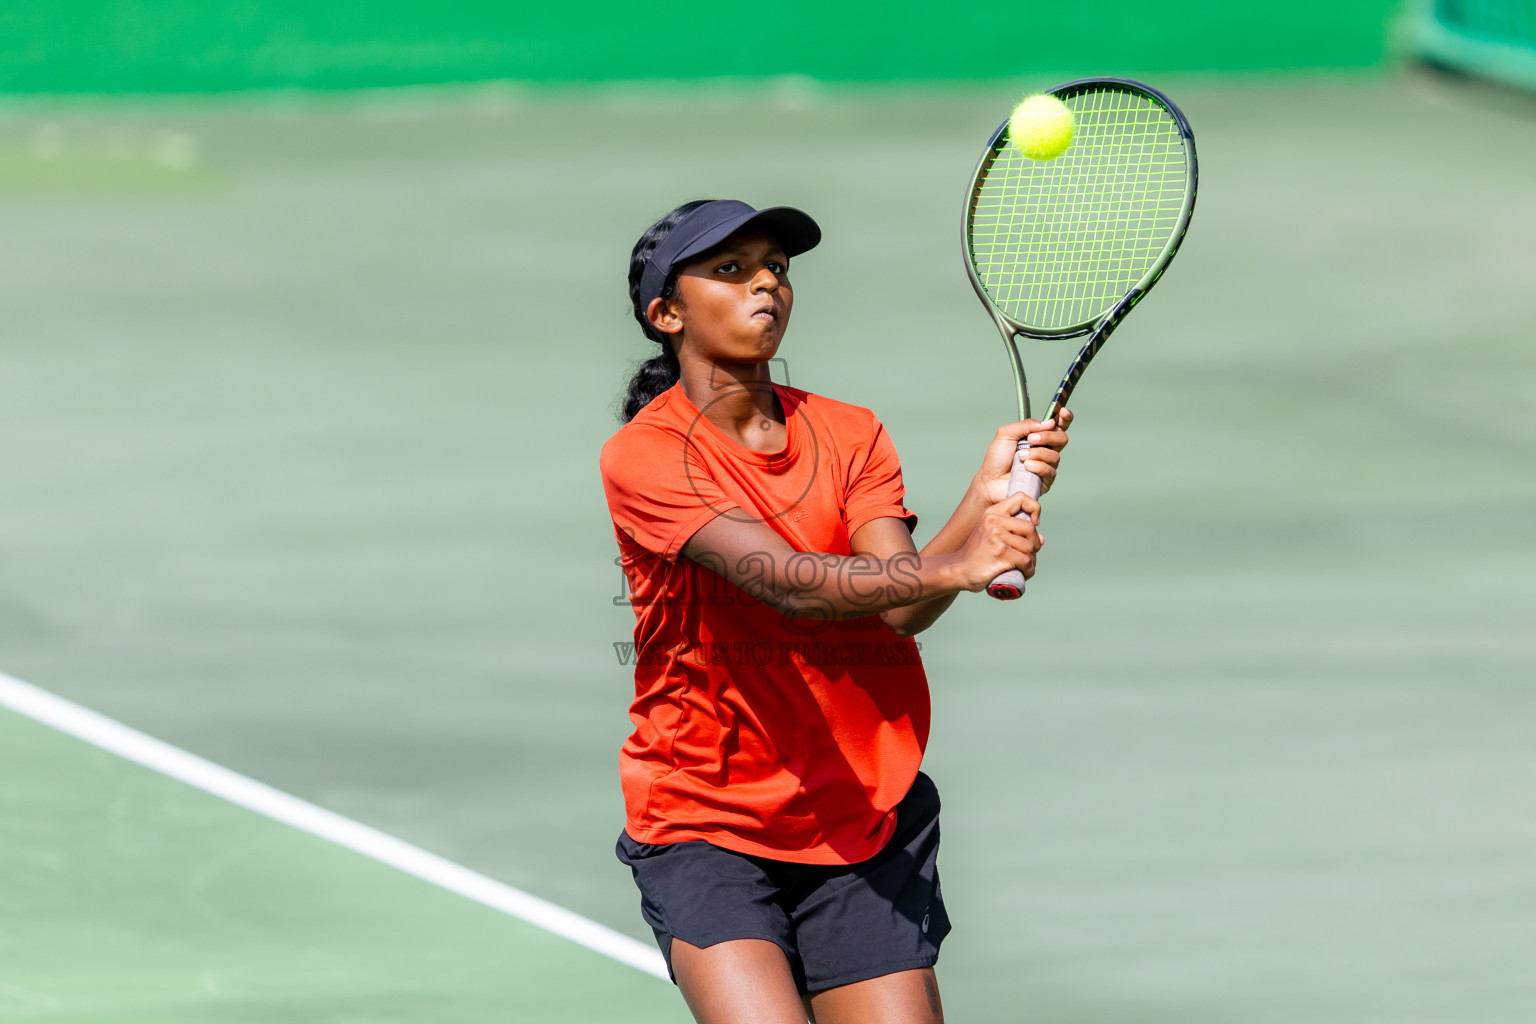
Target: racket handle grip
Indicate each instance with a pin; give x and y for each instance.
(1009, 586)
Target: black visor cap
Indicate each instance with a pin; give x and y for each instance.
(714, 222)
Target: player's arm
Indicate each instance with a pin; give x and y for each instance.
(887, 538)
(819, 585)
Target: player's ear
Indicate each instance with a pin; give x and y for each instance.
(665, 316)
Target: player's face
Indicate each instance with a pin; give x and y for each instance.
(735, 300)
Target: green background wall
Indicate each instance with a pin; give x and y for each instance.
(99, 46)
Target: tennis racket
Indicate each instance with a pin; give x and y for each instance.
(1067, 247)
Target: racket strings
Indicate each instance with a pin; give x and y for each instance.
(1056, 244)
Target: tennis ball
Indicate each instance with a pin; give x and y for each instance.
(1041, 127)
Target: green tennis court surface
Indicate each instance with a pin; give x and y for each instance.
(300, 475)
(129, 897)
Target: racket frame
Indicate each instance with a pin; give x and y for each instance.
(1011, 584)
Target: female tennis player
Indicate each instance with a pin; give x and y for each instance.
(783, 840)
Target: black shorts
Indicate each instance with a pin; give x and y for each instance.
(837, 923)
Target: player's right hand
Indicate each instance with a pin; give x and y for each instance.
(1002, 540)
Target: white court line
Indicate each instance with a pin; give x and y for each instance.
(117, 738)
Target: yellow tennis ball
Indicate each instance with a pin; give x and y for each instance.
(1041, 127)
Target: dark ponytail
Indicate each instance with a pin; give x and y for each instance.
(658, 373)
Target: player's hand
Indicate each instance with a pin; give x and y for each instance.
(1047, 439)
(1001, 540)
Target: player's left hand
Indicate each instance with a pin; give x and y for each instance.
(1046, 440)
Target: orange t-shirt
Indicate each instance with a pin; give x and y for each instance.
(792, 739)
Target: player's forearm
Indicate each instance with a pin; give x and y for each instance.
(911, 619)
(952, 536)
(811, 585)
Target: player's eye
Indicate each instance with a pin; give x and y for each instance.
(777, 267)
(727, 268)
